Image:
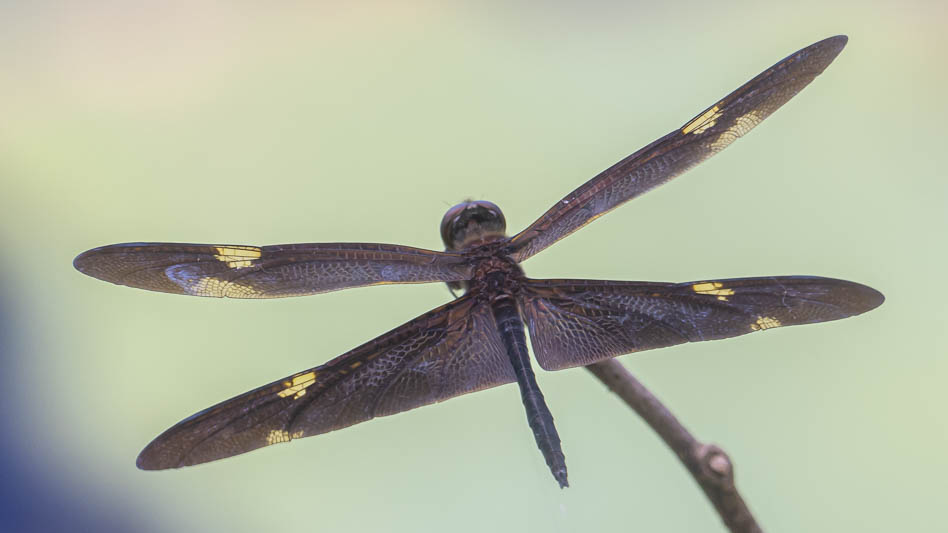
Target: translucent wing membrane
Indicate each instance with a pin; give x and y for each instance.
(450, 351)
(579, 322)
(237, 271)
(705, 135)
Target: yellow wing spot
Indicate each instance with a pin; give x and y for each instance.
(237, 257)
(297, 386)
(703, 122)
(277, 436)
(356, 364)
(211, 286)
(765, 322)
(704, 287)
(741, 126)
(714, 288)
(189, 277)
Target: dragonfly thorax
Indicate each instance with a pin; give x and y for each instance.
(471, 223)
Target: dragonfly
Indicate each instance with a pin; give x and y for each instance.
(478, 340)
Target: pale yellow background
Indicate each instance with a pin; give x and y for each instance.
(238, 123)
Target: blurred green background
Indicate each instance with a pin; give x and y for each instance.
(243, 123)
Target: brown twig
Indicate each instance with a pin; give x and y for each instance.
(709, 465)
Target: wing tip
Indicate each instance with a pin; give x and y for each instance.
(77, 261)
(156, 457)
(161, 453)
(837, 41)
(850, 297)
(146, 462)
(864, 298)
(83, 263)
(828, 48)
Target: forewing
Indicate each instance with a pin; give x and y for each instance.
(450, 351)
(579, 322)
(238, 271)
(700, 138)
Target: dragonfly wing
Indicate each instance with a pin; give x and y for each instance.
(579, 322)
(700, 138)
(452, 350)
(240, 271)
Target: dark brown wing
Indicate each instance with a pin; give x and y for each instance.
(237, 271)
(579, 322)
(705, 135)
(449, 351)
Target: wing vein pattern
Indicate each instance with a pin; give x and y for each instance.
(452, 350)
(579, 322)
(240, 271)
(705, 135)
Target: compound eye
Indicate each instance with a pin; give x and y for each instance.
(471, 221)
(448, 223)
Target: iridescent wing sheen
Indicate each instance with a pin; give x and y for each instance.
(579, 322)
(700, 138)
(452, 350)
(238, 271)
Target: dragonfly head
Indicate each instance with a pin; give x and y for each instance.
(472, 222)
